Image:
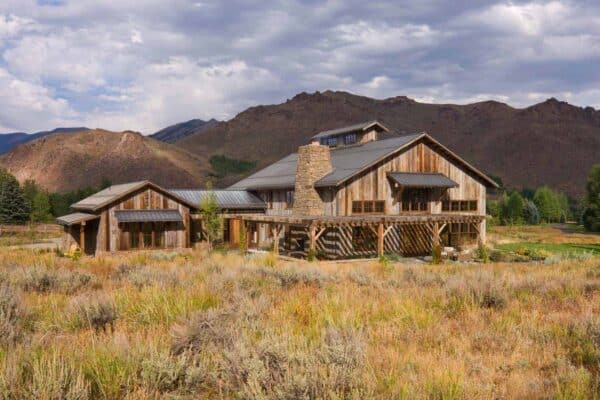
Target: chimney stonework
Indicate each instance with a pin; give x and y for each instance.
(314, 162)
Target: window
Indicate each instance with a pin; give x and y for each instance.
(289, 198)
(332, 141)
(368, 207)
(134, 236)
(462, 233)
(414, 200)
(459, 205)
(269, 199)
(350, 138)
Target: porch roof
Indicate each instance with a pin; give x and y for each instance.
(75, 218)
(148, 216)
(422, 180)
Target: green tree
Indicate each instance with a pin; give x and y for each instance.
(40, 208)
(14, 208)
(548, 204)
(105, 183)
(514, 208)
(591, 215)
(503, 209)
(531, 215)
(30, 189)
(209, 209)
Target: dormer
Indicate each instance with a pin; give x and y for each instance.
(349, 135)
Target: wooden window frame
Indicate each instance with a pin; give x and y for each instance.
(368, 207)
(289, 199)
(350, 138)
(269, 199)
(412, 204)
(459, 205)
(332, 141)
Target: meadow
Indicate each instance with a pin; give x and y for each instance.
(198, 325)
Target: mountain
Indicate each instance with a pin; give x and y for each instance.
(552, 143)
(178, 131)
(10, 140)
(68, 161)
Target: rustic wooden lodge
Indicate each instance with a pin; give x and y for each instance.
(349, 193)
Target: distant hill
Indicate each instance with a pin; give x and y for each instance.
(178, 131)
(68, 161)
(552, 143)
(10, 140)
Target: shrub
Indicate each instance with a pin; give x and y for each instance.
(12, 315)
(482, 253)
(163, 373)
(436, 254)
(311, 255)
(56, 378)
(213, 327)
(289, 276)
(42, 279)
(96, 313)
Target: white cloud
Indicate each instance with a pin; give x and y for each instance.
(24, 101)
(180, 89)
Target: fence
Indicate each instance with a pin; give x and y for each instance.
(38, 228)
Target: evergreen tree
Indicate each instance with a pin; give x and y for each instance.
(30, 189)
(503, 209)
(531, 215)
(40, 208)
(591, 215)
(14, 208)
(209, 209)
(514, 208)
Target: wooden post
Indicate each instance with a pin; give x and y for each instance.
(380, 236)
(276, 230)
(313, 237)
(82, 237)
(436, 234)
(153, 235)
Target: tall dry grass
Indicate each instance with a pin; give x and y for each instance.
(148, 326)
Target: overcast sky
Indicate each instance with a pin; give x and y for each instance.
(142, 65)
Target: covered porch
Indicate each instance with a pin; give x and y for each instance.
(357, 236)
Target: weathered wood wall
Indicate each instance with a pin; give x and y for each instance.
(110, 236)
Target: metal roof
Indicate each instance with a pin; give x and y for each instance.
(226, 199)
(363, 126)
(422, 179)
(75, 218)
(108, 195)
(148, 215)
(345, 161)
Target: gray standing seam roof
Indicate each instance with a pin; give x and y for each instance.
(75, 218)
(169, 215)
(107, 196)
(226, 199)
(345, 161)
(352, 128)
(420, 179)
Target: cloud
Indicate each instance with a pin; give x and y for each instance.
(143, 65)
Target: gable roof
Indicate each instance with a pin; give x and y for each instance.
(108, 195)
(226, 199)
(363, 126)
(346, 163)
(75, 218)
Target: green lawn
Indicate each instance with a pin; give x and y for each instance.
(557, 248)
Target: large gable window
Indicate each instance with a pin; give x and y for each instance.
(350, 138)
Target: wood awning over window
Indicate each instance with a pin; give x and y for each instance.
(148, 216)
(75, 218)
(422, 180)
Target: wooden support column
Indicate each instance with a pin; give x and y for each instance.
(276, 231)
(312, 234)
(82, 237)
(380, 237)
(153, 235)
(436, 234)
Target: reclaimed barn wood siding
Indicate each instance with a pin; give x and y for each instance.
(111, 237)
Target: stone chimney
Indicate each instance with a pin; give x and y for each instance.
(314, 162)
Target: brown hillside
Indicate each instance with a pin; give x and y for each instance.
(63, 162)
(551, 143)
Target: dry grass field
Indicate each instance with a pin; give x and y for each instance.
(193, 325)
